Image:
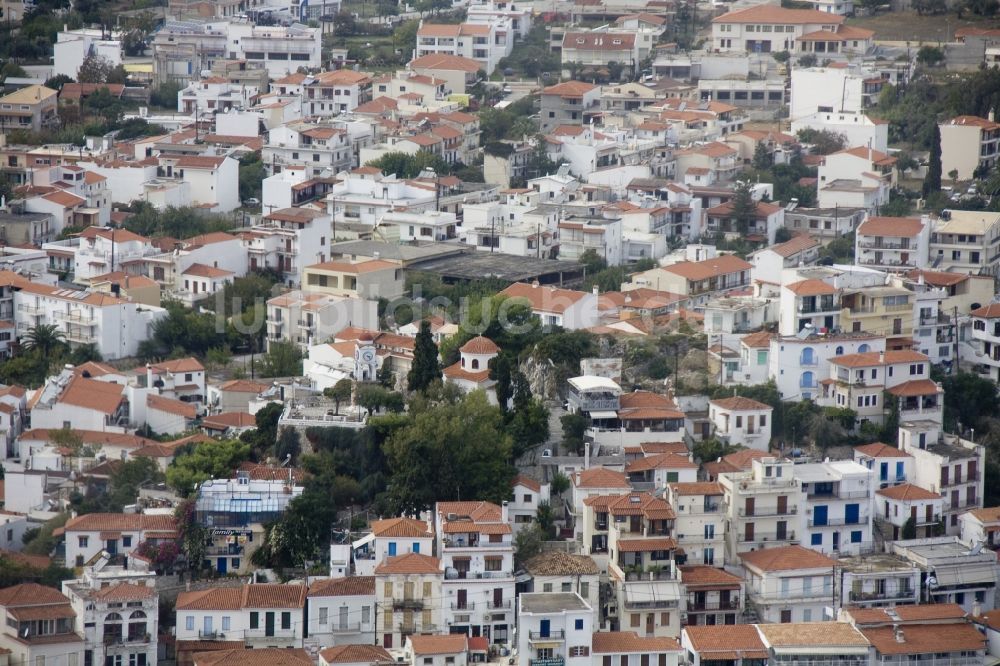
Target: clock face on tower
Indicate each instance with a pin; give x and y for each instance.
(367, 356)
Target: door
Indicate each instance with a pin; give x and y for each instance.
(462, 600)
(497, 597)
(748, 507)
(650, 625)
(782, 504)
(387, 640)
(782, 531)
(819, 515)
(836, 540)
(786, 616)
(221, 565)
(748, 533)
(900, 473)
(883, 474)
(269, 624)
(392, 549)
(928, 513)
(543, 628)
(111, 545)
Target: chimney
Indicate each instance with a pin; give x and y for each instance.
(149, 376)
(505, 511)
(881, 357)
(534, 285)
(991, 116)
(977, 608)
(586, 455)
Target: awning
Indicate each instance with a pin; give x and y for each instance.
(363, 541)
(603, 415)
(966, 575)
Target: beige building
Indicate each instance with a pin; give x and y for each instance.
(32, 108)
(457, 72)
(763, 507)
(884, 311)
(969, 144)
(408, 596)
(965, 242)
(372, 279)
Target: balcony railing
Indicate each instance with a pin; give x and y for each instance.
(408, 604)
(880, 596)
(131, 640)
(759, 512)
(768, 536)
(833, 522)
(276, 632)
(75, 318)
(730, 604)
(555, 634)
(217, 551)
(463, 605)
(551, 661)
(839, 494)
(346, 628)
(498, 605)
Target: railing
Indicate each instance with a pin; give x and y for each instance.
(637, 576)
(555, 634)
(412, 628)
(961, 480)
(479, 575)
(731, 604)
(832, 522)
(769, 536)
(131, 640)
(346, 628)
(75, 318)
(408, 604)
(498, 605)
(880, 596)
(31, 310)
(262, 632)
(551, 661)
(462, 543)
(882, 245)
(841, 494)
(204, 635)
(762, 513)
(463, 605)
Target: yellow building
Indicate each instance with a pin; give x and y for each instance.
(372, 279)
(884, 311)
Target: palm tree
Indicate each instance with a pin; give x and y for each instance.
(43, 338)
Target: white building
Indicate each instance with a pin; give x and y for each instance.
(72, 47)
(763, 506)
(258, 614)
(391, 537)
(789, 583)
(527, 495)
(556, 571)
(700, 521)
(970, 146)
(742, 422)
(486, 43)
(341, 611)
(117, 613)
(477, 552)
(115, 534)
(797, 364)
(556, 626)
(39, 626)
(890, 466)
(896, 506)
(768, 29)
(838, 514)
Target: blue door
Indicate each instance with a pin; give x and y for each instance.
(819, 515)
(543, 628)
(416, 546)
(852, 513)
(900, 472)
(392, 549)
(221, 565)
(883, 474)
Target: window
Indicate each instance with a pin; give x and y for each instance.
(708, 556)
(83, 541)
(634, 619)
(527, 498)
(547, 587)
(584, 590)
(710, 531)
(566, 587)
(254, 620)
(578, 625)
(286, 620)
(189, 623)
(323, 615)
(579, 650)
(816, 540)
(126, 542)
(856, 536)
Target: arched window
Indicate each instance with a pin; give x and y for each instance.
(863, 348)
(808, 380)
(137, 626)
(808, 356)
(839, 351)
(475, 364)
(463, 362)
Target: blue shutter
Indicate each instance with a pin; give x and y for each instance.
(852, 513)
(819, 515)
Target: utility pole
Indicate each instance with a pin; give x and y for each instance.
(954, 331)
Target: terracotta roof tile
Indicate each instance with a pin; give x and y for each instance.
(699, 575)
(254, 657)
(121, 522)
(880, 450)
(619, 642)
(709, 268)
(400, 527)
(558, 563)
(411, 563)
(926, 639)
(697, 488)
(351, 586)
(739, 403)
(891, 227)
(188, 410)
(811, 287)
(786, 558)
(355, 654)
(813, 634)
(599, 477)
(907, 492)
(714, 642)
(441, 644)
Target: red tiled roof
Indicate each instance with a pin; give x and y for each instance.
(623, 642)
(350, 586)
(786, 558)
(907, 492)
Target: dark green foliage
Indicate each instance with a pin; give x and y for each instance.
(288, 446)
(744, 207)
(251, 176)
(283, 359)
(932, 181)
(711, 449)
(823, 142)
(426, 368)
(174, 222)
(122, 488)
(574, 427)
(199, 462)
(405, 165)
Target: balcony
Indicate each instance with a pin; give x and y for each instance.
(650, 575)
(877, 244)
(763, 513)
(479, 543)
(224, 551)
(407, 604)
(135, 639)
(553, 635)
(79, 336)
(839, 494)
(498, 605)
(415, 628)
(961, 480)
(729, 604)
(275, 632)
(202, 635)
(834, 522)
(75, 318)
(346, 628)
(463, 605)
(551, 661)
(768, 536)
(30, 310)
(900, 595)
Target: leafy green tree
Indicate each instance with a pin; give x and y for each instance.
(251, 176)
(910, 528)
(574, 427)
(500, 372)
(339, 392)
(528, 543)
(932, 181)
(199, 462)
(58, 81)
(425, 368)
(43, 339)
(405, 165)
(711, 449)
(930, 56)
(968, 400)
(762, 157)
(558, 484)
(826, 432)
(744, 207)
(94, 69)
(283, 359)
(449, 451)
(823, 142)
(545, 518)
(846, 417)
(808, 60)
(375, 398)
(42, 542)
(288, 446)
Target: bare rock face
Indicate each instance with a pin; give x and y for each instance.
(542, 378)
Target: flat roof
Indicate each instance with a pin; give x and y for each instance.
(873, 563)
(552, 602)
(476, 265)
(405, 253)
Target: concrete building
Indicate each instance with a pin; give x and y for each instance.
(789, 583)
(896, 506)
(742, 422)
(39, 626)
(965, 242)
(839, 506)
(259, 615)
(951, 572)
(763, 507)
(699, 520)
(893, 243)
(556, 571)
(970, 146)
(767, 29)
(568, 103)
(408, 595)
(117, 534)
(341, 611)
(554, 627)
(72, 47)
(486, 42)
(32, 108)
